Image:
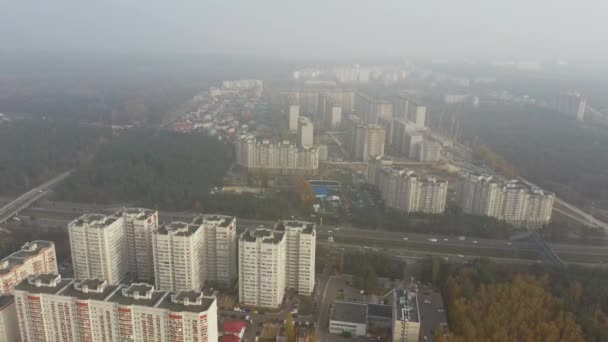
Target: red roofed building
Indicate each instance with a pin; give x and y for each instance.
(233, 331)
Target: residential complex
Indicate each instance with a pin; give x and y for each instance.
(403, 190)
(139, 224)
(262, 268)
(99, 247)
(220, 248)
(281, 158)
(364, 140)
(9, 325)
(33, 258)
(178, 250)
(50, 308)
(300, 249)
(509, 201)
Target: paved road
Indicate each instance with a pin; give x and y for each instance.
(25, 200)
(57, 214)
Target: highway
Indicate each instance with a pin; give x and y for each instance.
(25, 200)
(58, 214)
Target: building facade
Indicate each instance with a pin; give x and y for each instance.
(33, 258)
(178, 253)
(305, 132)
(50, 308)
(99, 247)
(280, 159)
(293, 116)
(429, 151)
(139, 224)
(9, 325)
(300, 246)
(509, 201)
(262, 268)
(403, 190)
(220, 247)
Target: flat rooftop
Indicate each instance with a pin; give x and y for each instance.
(186, 301)
(49, 284)
(406, 306)
(139, 213)
(380, 310)
(349, 312)
(27, 250)
(177, 228)
(95, 220)
(265, 235)
(219, 220)
(89, 289)
(306, 227)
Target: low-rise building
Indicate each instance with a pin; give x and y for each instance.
(33, 258)
(348, 318)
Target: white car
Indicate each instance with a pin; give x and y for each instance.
(508, 243)
(462, 238)
(445, 239)
(460, 256)
(474, 241)
(433, 240)
(404, 238)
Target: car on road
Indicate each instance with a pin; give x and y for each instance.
(460, 256)
(462, 238)
(508, 244)
(474, 241)
(433, 240)
(446, 239)
(427, 301)
(404, 238)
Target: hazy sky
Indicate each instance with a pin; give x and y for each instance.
(312, 28)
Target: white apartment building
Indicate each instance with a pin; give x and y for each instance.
(323, 152)
(33, 258)
(509, 201)
(178, 253)
(9, 325)
(301, 245)
(50, 308)
(403, 190)
(139, 224)
(429, 151)
(282, 158)
(365, 140)
(293, 116)
(262, 268)
(99, 247)
(220, 247)
(305, 132)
